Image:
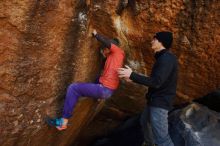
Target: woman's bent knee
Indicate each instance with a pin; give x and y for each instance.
(72, 86)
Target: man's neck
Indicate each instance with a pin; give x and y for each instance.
(158, 50)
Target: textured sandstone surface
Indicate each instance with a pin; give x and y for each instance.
(46, 44)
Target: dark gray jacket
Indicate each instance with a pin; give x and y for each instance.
(162, 82)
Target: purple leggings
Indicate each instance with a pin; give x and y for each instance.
(76, 90)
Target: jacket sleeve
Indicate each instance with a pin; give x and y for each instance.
(106, 42)
(159, 74)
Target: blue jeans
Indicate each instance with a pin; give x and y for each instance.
(76, 90)
(154, 122)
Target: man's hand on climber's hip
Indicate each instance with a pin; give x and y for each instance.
(125, 72)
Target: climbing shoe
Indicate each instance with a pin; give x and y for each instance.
(57, 122)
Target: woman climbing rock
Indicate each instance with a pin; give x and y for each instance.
(108, 81)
